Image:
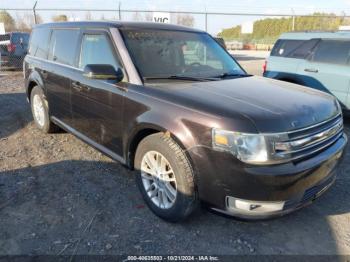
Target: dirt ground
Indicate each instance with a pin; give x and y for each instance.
(60, 196)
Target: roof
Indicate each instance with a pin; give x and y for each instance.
(306, 35)
(119, 24)
(16, 32)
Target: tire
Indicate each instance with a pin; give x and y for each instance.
(176, 163)
(40, 112)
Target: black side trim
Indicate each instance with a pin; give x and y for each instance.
(89, 141)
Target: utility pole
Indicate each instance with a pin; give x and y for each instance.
(120, 13)
(206, 21)
(35, 20)
(206, 17)
(293, 20)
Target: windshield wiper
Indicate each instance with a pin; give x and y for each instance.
(180, 77)
(225, 75)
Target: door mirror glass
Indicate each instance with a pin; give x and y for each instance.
(103, 72)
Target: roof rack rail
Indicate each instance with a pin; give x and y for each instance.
(317, 31)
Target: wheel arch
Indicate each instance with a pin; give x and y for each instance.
(143, 131)
(30, 87)
(34, 79)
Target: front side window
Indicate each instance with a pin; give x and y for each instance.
(96, 49)
(63, 46)
(166, 53)
(333, 52)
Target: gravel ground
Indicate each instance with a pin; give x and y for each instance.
(60, 196)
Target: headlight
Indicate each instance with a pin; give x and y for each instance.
(249, 148)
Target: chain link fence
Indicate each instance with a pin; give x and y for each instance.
(240, 31)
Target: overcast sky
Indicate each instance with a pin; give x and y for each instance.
(215, 23)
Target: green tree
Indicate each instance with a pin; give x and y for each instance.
(60, 18)
(231, 33)
(269, 29)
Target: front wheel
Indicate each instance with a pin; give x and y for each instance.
(165, 177)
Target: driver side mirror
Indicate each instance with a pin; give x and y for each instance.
(103, 72)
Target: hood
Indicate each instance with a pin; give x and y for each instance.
(271, 105)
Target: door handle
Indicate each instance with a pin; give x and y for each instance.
(311, 70)
(79, 87)
(122, 88)
(76, 85)
(44, 73)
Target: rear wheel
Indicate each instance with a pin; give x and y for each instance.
(40, 112)
(165, 177)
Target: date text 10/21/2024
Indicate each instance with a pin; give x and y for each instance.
(173, 258)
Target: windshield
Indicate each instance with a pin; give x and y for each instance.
(165, 54)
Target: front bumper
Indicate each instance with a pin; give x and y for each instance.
(296, 184)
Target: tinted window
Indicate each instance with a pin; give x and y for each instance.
(4, 37)
(283, 48)
(63, 46)
(39, 42)
(304, 49)
(96, 49)
(196, 53)
(165, 53)
(332, 51)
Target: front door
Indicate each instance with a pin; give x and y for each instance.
(328, 68)
(97, 105)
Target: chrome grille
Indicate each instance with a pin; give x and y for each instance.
(310, 140)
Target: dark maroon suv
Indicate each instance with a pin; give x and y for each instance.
(171, 103)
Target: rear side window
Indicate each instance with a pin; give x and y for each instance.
(283, 48)
(63, 46)
(96, 49)
(333, 52)
(39, 42)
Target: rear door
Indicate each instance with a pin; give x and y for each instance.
(61, 66)
(97, 105)
(281, 65)
(328, 69)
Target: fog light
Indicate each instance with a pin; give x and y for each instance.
(253, 207)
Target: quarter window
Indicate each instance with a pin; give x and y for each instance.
(96, 49)
(333, 52)
(63, 46)
(39, 42)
